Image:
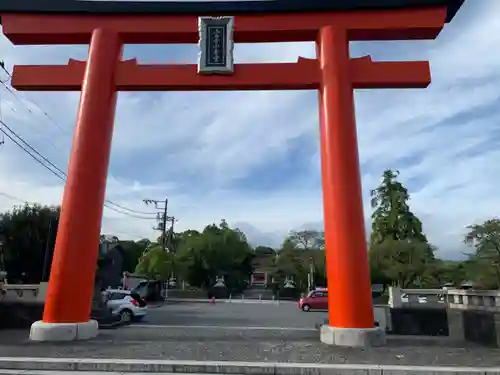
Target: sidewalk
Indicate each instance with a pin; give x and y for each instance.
(55, 366)
(225, 347)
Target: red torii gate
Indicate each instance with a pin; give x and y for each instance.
(107, 26)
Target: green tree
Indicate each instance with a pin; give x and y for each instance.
(307, 239)
(132, 252)
(156, 263)
(320, 270)
(485, 239)
(291, 262)
(441, 272)
(217, 251)
(399, 251)
(400, 262)
(314, 260)
(378, 274)
(300, 252)
(264, 259)
(27, 232)
(264, 251)
(392, 218)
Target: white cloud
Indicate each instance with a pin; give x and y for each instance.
(444, 139)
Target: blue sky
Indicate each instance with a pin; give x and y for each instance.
(253, 157)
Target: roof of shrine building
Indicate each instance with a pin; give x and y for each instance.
(216, 7)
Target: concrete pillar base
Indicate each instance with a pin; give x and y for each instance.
(41, 331)
(352, 337)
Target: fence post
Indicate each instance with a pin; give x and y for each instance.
(395, 297)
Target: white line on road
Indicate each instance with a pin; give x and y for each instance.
(245, 328)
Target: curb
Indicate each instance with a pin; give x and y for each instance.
(248, 301)
(65, 365)
(156, 305)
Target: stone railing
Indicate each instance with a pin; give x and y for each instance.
(479, 300)
(399, 298)
(24, 292)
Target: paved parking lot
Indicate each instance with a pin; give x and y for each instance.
(283, 315)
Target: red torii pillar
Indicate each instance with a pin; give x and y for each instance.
(333, 73)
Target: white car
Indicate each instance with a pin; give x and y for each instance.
(127, 305)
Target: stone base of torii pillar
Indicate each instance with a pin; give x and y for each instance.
(352, 337)
(41, 331)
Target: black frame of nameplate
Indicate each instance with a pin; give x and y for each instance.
(207, 54)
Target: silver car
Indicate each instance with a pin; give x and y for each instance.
(128, 306)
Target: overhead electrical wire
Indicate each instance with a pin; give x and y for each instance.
(50, 166)
(14, 93)
(13, 197)
(59, 172)
(26, 202)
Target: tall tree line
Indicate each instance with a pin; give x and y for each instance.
(399, 251)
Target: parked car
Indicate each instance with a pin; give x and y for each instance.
(127, 305)
(103, 314)
(316, 299)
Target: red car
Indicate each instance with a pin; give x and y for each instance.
(317, 299)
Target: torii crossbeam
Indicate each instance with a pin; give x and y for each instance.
(107, 25)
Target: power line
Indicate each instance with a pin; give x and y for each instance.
(31, 148)
(28, 152)
(109, 202)
(22, 102)
(11, 90)
(13, 197)
(130, 210)
(162, 222)
(47, 164)
(14, 94)
(137, 236)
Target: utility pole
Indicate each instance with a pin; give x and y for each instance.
(48, 254)
(171, 232)
(162, 218)
(164, 226)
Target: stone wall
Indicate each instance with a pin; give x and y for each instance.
(419, 321)
(19, 315)
(480, 327)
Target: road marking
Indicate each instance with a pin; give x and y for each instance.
(245, 328)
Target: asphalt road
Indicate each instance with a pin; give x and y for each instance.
(221, 314)
(243, 332)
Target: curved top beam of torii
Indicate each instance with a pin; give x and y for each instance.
(232, 7)
(74, 22)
